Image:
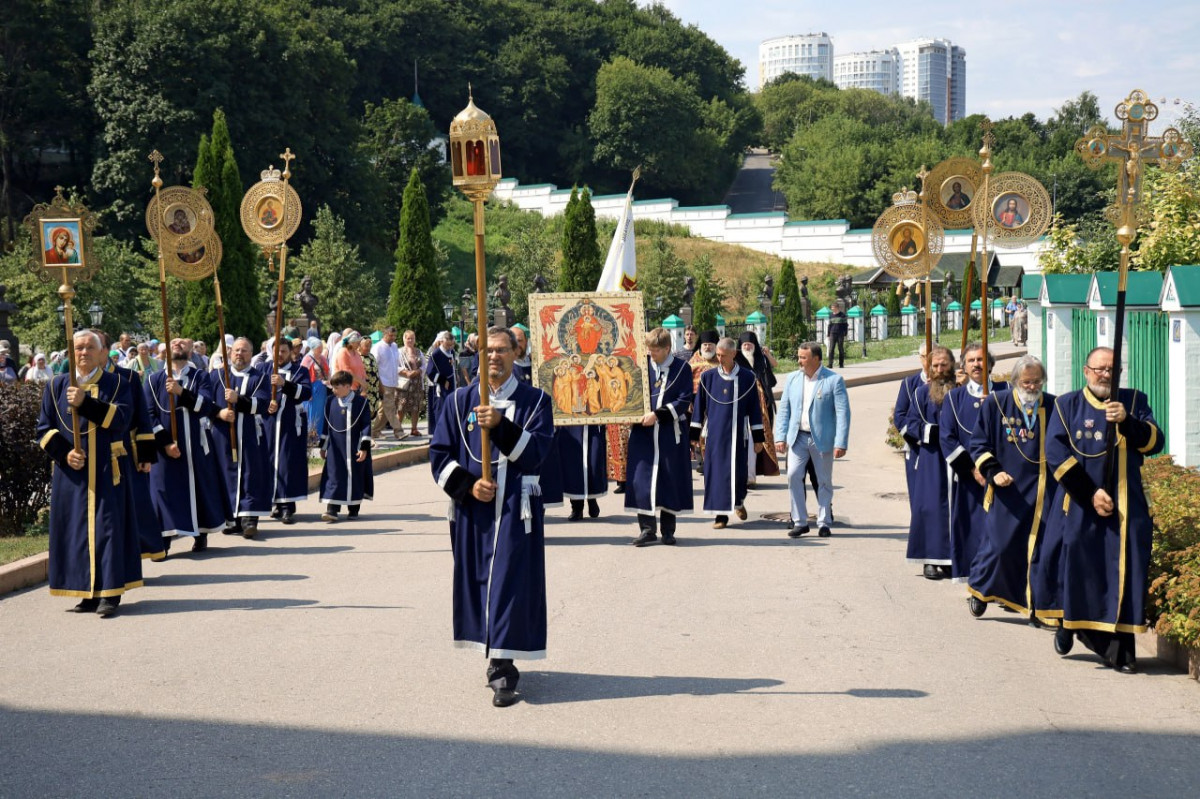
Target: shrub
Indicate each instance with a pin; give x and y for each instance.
(1175, 557)
(24, 467)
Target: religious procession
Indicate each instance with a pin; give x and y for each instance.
(1033, 501)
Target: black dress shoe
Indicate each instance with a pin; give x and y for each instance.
(668, 539)
(824, 532)
(1126, 668)
(932, 572)
(796, 531)
(646, 539)
(1064, 639)
(620, 489)
(288, 518)
(250, 529)
(200, 543)
(86, 606)
(108, 607)
(504, 697)
(593, 508)
(977, 606)
(945, 572)
(575, 515)
(277, 512)
(232, 529)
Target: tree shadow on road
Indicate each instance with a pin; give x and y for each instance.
(552, 688)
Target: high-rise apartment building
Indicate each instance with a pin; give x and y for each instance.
(877, 70)
(811, 54)
(935, 71)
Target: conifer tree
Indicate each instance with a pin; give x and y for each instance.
(217, 171)
(710, 294)
(416, 295)
(788, 326)
(582, 261)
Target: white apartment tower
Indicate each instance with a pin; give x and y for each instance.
(811, 54)
(877, 70)
(935, 71)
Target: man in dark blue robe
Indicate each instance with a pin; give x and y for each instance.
(347, 478)
(959, 414)
(582, 460)
(929, 497)
(94, 552)
(439, 369)
(904, 401)
(139, 456)
(728, 414)
(1008, 447)
(551, 479)
(496, 526)
(248, 480)
(287, 434)
(1105, 522)
(659, 471)
(186, 487)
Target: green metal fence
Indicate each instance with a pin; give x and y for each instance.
(1083, 341)
(1147, 338)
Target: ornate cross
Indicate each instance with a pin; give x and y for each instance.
(287, 157)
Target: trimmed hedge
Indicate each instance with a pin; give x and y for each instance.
(1175, 559)
(24, 467)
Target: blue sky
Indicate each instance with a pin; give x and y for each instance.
(1021, 56)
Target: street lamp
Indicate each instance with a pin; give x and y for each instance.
(62, 313)
(96, 313)
(448, 311)
(658, 304)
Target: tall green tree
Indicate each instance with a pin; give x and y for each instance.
(788, 326)
(531, 253)
(217, 172)
(710, 293)
(663, 276)
(348, 293)
(582, 262)
(416, 295)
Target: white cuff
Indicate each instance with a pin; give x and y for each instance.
(522, 442)
(444, 476)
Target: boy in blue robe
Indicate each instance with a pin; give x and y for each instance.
(248, 480)
(287, 434)
(729, 414)
(94, 552)
(186, 489)
(959, 414)
(1104, 522)
(929, 497)
(659, 470)
(347, 478)
(496, 526)
(1008, 447)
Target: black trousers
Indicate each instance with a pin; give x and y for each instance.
(838, 342)
(332, 510)
(1117, 649)
(666, 519)
(501, 673)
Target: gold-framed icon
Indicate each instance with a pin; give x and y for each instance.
(1018, 210)
(193, 261)
(61, 232)
(179, 218)
(954, 183)
(907, 238)
(271, 210)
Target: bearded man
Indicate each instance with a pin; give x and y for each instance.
(929, 507)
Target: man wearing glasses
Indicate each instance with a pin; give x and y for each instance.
(1101, 516)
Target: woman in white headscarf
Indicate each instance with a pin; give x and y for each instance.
(38, 372)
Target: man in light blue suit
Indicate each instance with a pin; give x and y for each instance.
(813, 422)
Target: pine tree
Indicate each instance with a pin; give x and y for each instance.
(788, 326)
(892, 301)
(217, 171)
(416, 294)
(582, 262)
(341, 280)
(710, 294)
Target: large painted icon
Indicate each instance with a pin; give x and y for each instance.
(60, 242)
(589, 355)
(956, 192)
(1010, 210)
(907, 240)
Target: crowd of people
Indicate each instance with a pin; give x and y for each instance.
(1034, 501)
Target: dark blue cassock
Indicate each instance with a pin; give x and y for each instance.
(1005, 569)
(345, 481)
(959, 414)
(140, 449)
(551, 477)
(582, 460)
(728, 412)
(287, 436)
(188, 492)
(94, 550)
(904, 400)
(249, 480)
(658, 476)
(929, 497)
(439, 368)
(499, 546)
(1105, 561)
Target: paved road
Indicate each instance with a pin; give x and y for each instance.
(317, 662)
(751, 191)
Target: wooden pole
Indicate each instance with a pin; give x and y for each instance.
(162, 291)
(968, 288)
(485, 446)
(67, 293)
(233, 444)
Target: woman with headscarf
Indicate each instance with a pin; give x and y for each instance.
(38, 372)
(754, 358)
(347, 359)
(412, 381)
(318, 374)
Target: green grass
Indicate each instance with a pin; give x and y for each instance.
(22, 546)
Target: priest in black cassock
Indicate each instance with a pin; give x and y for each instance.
(1105, 524)
(287, 434)
(929, 501)
(959, 415)
(659, 471)
(1009, 449)
(729, 415)
(496, 526)
(246, 403)
(186, 487)
(94, 553)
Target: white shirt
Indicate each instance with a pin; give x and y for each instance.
(810, 391)
(388, 358)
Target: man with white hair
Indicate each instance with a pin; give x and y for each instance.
(439, 369)
(94, 552)
(728, 410)
(1103, 518)
(1012, 565)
